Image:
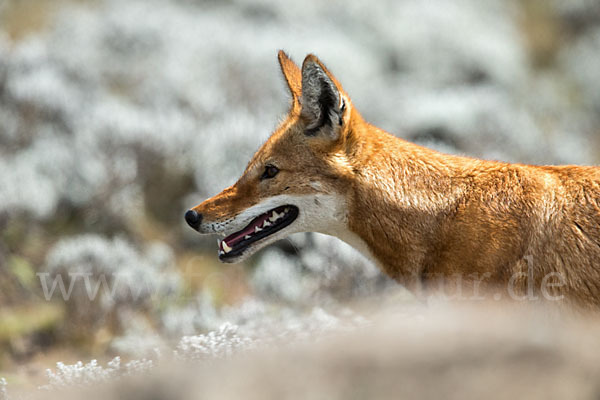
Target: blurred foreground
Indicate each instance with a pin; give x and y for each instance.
(444, 352)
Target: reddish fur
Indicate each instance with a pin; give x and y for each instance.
(425, 215)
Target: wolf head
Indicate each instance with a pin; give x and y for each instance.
(299, 179)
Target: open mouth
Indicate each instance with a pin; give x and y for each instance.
(260, 227)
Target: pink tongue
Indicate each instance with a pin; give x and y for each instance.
(237, 237)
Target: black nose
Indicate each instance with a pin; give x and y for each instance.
(193, 218)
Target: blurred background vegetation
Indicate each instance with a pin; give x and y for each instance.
(115, 117)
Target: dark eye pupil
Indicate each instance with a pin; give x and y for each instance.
(270, 172)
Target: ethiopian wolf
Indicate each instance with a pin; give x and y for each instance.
(432, 221)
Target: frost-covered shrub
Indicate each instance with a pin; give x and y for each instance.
(221, 343)
(98, 278)
(268, 326)
(326, 270)
(261, 321)
(105, 91)
(80, 374)
(139, 337)
(279, 277)
(340, 270)
(479, 121)
(225, 341)
(294, 326)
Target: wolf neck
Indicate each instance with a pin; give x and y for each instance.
(400, 195)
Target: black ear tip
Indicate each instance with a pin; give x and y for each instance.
(311, 61)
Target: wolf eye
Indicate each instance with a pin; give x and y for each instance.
(270, 172)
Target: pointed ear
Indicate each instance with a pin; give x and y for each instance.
(323, 105)
(292, 74)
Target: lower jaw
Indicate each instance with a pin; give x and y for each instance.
(237, 255)
(241, 252)
(233, 259)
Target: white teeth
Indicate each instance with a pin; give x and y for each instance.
(247, 237)
(275, 216)
(226, 248)
(266, 223)
(257, 229)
